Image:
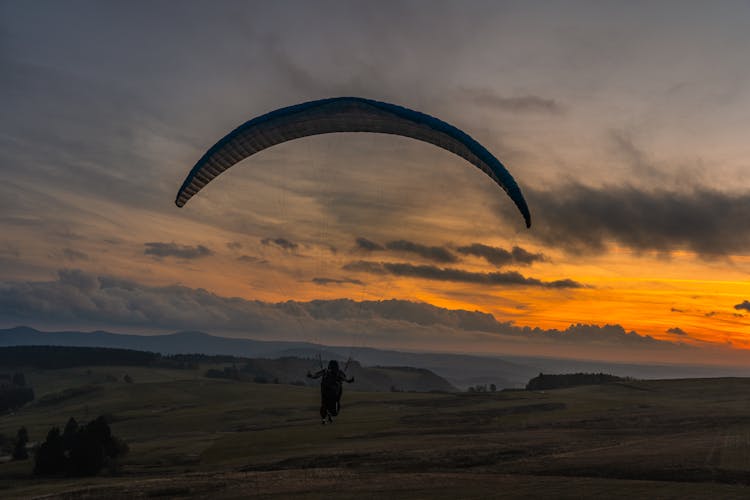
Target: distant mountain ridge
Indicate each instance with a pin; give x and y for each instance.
(186, 342)
(461, 370)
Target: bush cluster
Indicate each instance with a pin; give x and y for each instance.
(80, 450)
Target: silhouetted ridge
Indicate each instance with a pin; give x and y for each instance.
(545, 382)
(53, 357)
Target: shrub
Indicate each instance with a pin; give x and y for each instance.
(80, 451)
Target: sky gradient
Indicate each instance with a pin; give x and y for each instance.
(625, 125)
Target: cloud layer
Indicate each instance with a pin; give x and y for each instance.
(581, 218)
(79, 297)
(76, 299)
(103, 133)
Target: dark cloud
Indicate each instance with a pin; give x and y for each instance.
(580, 218)
(520, 104)
(234, 245)
(677, 331)
(523, 256)
(367, 245)
(434, 253)
(332, 281)
(73, 255)
(78, 298)
(364, 266)
(744, 305)
(77, 279)
(456, 275)
(280, 242)
(437, 254)
(174, 250)
(500, 256)
(497, 256)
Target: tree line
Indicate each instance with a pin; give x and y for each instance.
(79, 450)
(546, 381)
(56, 357)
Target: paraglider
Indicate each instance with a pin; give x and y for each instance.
(344, 114)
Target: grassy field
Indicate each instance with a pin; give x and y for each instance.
(212, 438)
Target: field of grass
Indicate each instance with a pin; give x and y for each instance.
(213, 438)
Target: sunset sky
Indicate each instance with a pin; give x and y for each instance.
(624, 123)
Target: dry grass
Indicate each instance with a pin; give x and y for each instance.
(196, 437)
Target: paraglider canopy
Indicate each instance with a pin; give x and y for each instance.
(344, 114)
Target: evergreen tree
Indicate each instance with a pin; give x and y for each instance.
(19, 451)
(50, 458)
